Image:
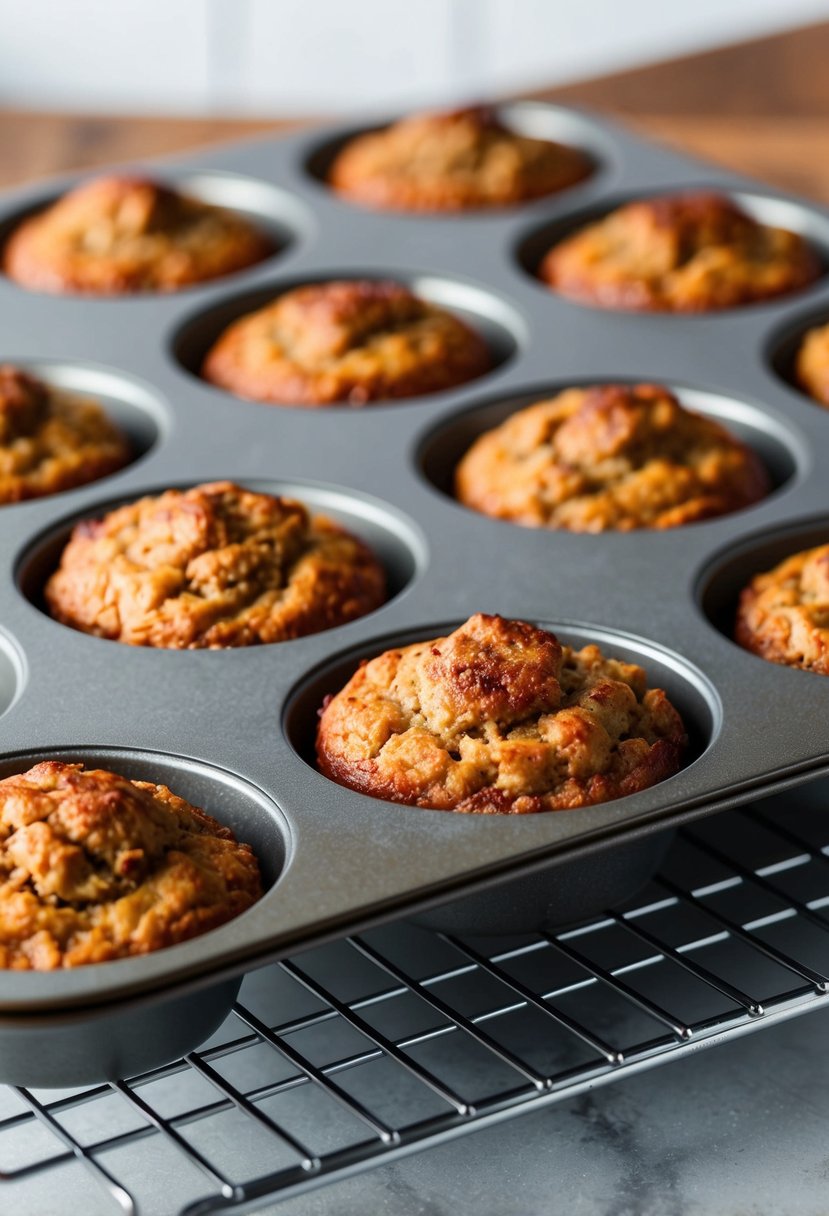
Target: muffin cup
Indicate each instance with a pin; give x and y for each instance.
(86, 1046)
(59, 1047)
(272, 212)
(568, 889)
(560, 895)
(444, 447)
(765, 209)
(482, 311)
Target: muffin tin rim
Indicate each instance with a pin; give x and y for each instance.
(13, 656)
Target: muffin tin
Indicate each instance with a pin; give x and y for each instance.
(232, 730)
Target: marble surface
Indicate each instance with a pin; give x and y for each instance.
(739, 1130)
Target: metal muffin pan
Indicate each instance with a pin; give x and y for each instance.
(341, 860)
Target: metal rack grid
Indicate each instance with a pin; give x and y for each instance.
(360, 1051)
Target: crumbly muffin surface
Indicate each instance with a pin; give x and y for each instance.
(812, 364)
(498, 718)
(214, 566)
(348, 341)
(52, 440)
(120, 235)
(679, 253)
(94, 867)
(454, 161)
(783, 614)
(611, 457)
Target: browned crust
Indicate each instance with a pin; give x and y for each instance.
(122, 235)
(812, 364)
(498, 718)
(681, 253)
(459, 161)
(94, 867)
(51, 440)
(783, 614)
(350, 342)
(212, 567)
(609, 457)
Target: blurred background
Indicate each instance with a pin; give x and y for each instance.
(291, 57)
(93, 82)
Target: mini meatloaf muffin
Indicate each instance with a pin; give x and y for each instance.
(611, 457)
(119, 235)
(94, 867)
(812, 364)
(783, 615)
(458, 161)
(499, 719)
(349, 342)
(679, 253)
(212, 567)
(52, 440)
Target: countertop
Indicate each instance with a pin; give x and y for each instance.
(740, 1129)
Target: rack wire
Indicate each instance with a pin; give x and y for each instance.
(358, 1052)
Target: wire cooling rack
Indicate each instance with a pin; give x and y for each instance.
(361, 1051)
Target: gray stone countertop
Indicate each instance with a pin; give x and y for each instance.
(739, 1130)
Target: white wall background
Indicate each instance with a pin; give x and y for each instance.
(329, 56)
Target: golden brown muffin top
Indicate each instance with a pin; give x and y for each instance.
(94, 867)
(498, 718)
(214, 566)
(812, 364)
(694, 252)
(52, 440)
(350, 341)
(615, 456)
(456, 161)
(783, 614)
(121, 235)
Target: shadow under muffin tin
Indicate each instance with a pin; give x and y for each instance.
(242, 720)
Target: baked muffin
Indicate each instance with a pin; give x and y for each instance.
(457, 161)
(680, 253)
(783, 615)
(94, 867)
(347, 341)
(50, 439)
(617, 456)
(498, 718)
(215, 566)
(119, 235)
(812, 364)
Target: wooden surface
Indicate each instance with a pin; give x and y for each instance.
(761, 107)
